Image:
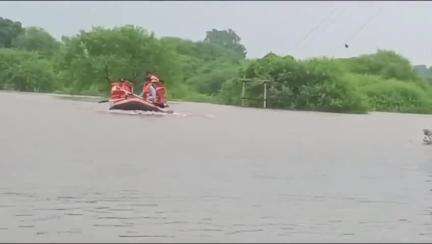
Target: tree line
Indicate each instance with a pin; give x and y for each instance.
(209, 70)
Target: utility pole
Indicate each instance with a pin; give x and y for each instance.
(243, 92)
(265, 94)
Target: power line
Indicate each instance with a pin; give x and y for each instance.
(330, 22)
(363, 26)
(320, 23)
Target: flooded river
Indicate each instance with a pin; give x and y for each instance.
(72, 171)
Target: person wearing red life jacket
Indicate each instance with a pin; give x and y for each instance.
(161, 94)
(121, 89)
(116, 91)
(149, 90)
(154, 91)
(126, 86)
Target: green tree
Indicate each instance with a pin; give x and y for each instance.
(36, 39)
(210, 77)
(25, 71)
(8, 31)
(226, 39)
(313, 84)
(204, 67)
(387, 64)
(121, 52)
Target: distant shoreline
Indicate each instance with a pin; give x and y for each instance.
(94, 98)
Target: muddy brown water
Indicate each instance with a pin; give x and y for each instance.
(72, 171)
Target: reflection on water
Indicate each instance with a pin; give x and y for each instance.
(73, 171)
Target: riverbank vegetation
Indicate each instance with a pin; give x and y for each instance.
(209, 70)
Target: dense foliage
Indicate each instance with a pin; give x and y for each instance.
(383, 81)
(424, 72)
(210, 70)
(8, 31)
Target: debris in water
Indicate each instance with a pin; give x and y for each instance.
(427, 136)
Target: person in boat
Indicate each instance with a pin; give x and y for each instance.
(149, 88)
(126, 86)
(121, 89)
(161, 94)
(154, 91)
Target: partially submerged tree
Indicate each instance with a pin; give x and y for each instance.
(124, 52)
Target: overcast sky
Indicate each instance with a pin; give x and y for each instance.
(301, 29)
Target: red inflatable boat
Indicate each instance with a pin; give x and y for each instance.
(122, 98)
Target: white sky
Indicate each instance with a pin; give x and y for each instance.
(301, 29)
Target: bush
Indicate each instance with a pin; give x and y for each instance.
(25, 71)
(386, 64)
(313, 84)
(397, 96)
(36, 39)
(230, 92)
(210, 77)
